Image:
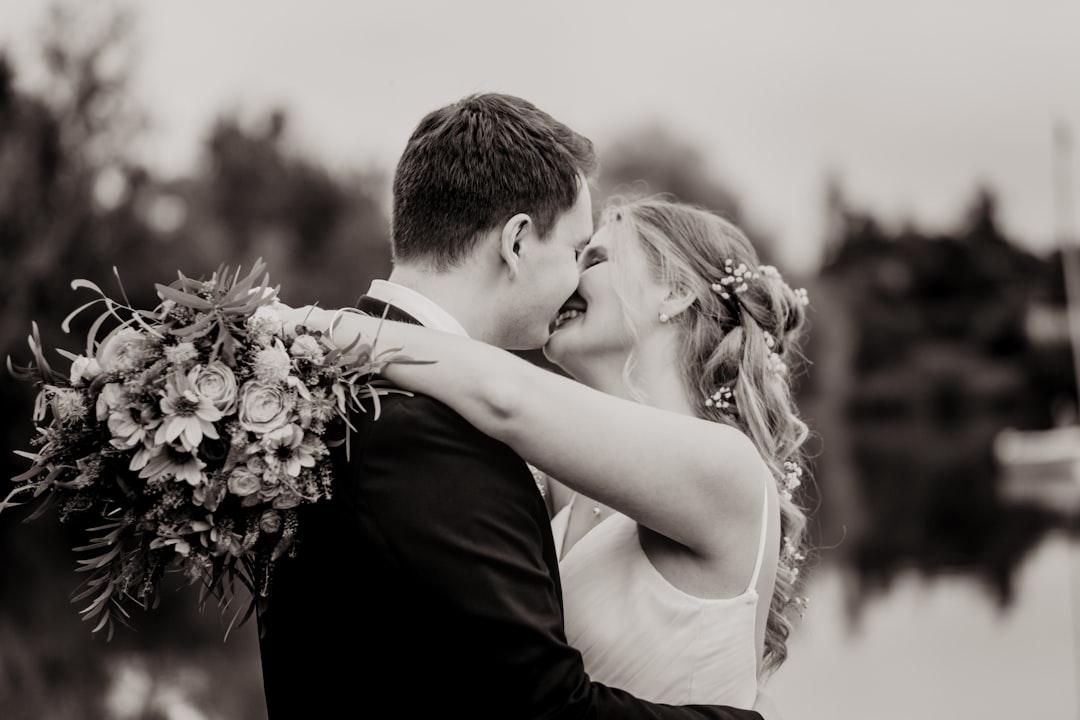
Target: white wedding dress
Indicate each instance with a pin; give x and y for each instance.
(638, 632)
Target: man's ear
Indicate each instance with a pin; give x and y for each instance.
(677, 300)
(513, 232)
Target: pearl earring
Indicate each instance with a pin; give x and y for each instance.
(664, 318)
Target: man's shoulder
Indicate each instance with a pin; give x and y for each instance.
(412, 415)
(425, 442)
(419, 436)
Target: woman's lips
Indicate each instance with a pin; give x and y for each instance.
(566, 316)
(573, 307)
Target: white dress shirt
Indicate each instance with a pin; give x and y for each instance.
(424, 309)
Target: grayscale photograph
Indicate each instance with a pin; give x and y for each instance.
(568, 360)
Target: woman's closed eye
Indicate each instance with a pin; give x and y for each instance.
(590, 258)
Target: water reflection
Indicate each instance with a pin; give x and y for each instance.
(941, 646)
(930, 646)
(135, 692)
(214, 682)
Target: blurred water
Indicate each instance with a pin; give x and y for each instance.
(941, 648)
(925, 648)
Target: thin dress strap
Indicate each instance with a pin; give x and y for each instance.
(761, 542)
(569, 513)
(560, 525)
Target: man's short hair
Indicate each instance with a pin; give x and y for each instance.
(472, 165)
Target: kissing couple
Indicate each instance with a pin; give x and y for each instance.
(505, 541)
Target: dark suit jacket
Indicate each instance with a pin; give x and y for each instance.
(428, 587)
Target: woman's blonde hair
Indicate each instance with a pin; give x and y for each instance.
(736, 346)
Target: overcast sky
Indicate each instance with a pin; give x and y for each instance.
(911, 103)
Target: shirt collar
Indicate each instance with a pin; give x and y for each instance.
(422, 308)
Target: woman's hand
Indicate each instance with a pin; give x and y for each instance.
(307, 315)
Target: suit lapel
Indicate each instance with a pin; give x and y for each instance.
(379, 308)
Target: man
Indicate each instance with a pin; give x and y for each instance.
(429, 585)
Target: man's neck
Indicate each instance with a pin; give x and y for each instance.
(455, 293)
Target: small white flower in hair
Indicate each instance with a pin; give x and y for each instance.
(722, 399)
(792, 479)
(791, 552)
(735, 279)
(775, 364)
(769, 271)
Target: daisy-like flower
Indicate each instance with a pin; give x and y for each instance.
(132, 425)
(188, 415)
(146, 452)
(171, 461)
(286, 448)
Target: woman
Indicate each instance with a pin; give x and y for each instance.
(680, 540)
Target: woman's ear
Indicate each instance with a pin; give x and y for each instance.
(678, 299)
(513, 232)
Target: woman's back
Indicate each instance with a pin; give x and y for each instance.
(639, 632)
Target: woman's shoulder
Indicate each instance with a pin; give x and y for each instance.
(728, 448)
(733, 480)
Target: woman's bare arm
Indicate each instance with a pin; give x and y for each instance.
(689, 479)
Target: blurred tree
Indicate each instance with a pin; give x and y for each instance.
(940, 362)
(61, 151)
(324, 237)
(75, 203)
(58, 149)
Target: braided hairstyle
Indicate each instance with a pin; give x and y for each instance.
(738, 338)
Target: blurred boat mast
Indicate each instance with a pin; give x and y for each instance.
(1070, 266)
(1043, 466)
(1068, 241)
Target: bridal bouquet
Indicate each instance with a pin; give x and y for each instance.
(186, 437)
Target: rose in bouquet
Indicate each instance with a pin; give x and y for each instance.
(185, 438)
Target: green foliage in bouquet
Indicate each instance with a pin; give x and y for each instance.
(185, 439)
